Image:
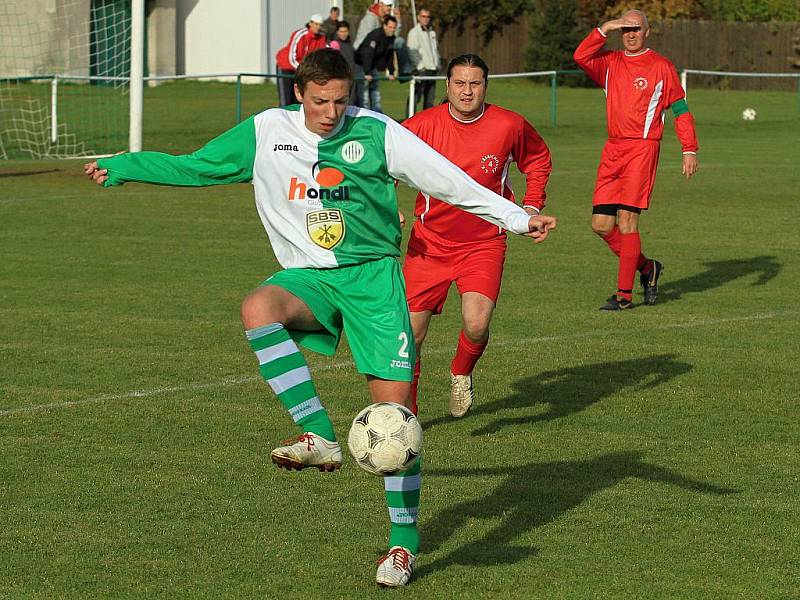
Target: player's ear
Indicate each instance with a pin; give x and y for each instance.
(298, 93)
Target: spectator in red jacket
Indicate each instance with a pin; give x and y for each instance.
(302, 42)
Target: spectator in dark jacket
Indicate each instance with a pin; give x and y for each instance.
(341, 42)
(331, 24)
(376, 55)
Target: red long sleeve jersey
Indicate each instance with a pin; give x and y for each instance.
(639, 88)
(484, 149)
(301, 43)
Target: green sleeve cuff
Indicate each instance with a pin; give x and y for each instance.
(679, 107)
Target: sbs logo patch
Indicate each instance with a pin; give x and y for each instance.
(325, 227)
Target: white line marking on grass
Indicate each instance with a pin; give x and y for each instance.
(222, 383)
(233, 381)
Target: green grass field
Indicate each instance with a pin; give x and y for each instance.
(650, 454)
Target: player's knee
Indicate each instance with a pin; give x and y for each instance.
(602, 229)
(257, 311)
(628, 226)
(418, 339)
(476, 329)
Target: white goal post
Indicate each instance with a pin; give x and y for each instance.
(136, 88)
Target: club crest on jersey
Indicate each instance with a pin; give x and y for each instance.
(490, 163)
(352, 151)
(325, 227)
(329, 180)
(640, 83)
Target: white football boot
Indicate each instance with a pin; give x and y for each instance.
(395, 567)
(461, 394)
(309, 450)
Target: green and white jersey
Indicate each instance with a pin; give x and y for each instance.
(324, 201)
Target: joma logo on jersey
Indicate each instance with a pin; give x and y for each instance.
(325, 227)
(287, 147)
(329, 180)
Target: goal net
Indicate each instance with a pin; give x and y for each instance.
(64, 75)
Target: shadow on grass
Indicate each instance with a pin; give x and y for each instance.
(531, 496)
(568, 391)
(719, 273)
(27, 173)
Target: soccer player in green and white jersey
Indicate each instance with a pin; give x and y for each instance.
(323, 174)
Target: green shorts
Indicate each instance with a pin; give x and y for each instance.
(368, 302)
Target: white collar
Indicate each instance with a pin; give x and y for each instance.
(638, 53)
(450, 110)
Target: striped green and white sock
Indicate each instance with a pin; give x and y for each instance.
(284, 368)
(402, 498)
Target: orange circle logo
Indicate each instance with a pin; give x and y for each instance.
(329, 177)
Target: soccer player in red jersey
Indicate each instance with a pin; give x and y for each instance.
(449, 245)
(640, 85)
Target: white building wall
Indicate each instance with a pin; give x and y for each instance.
(219, 37)
(286, 16)
(237, 36)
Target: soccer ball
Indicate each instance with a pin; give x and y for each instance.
(385, 438)
(749, 114)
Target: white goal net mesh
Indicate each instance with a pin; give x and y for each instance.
(64, 69)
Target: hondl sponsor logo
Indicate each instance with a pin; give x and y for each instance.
(329, 180)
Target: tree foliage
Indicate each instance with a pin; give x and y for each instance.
(656, 10)
(556, 28)
(490, 16)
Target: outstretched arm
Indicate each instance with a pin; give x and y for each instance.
(227, 158)
(412, 161)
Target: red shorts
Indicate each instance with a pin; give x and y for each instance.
(433, 263)
(627, 172)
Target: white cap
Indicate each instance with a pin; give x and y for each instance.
(387, 2)
(316, 18)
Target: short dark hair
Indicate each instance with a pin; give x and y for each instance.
(469, 60)
(320, 66)
(389, 18)
(343, 24)
(334, 8)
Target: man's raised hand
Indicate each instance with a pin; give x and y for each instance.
(616, 24)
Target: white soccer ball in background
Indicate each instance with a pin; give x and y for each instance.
(385, 438)
(749, 114)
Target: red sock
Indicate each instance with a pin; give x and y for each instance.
(467, 354)
(614, 241)
(631, 249)
(414, 386)
(612, 238)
